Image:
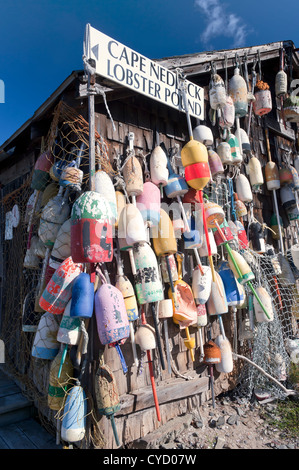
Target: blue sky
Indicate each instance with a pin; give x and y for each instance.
(41, 41)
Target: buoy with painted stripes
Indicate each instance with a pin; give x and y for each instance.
(45, 344)
(255, 173)
(247, 274)
(272, 176)
(91, 229)
(73, 426)
(147, 281)
(69, 329)
(59, 289)
(58, 387)
(234, 148)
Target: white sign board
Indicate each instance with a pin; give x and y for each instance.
(122, 65)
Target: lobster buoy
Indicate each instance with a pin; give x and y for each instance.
(217, 303)
(204, 135)
(243, 188)
(215, 163)
(242, 236)
(195, 158)
(172, 266)
(31, 260)
(256, 237)
(203, 249)
(226, 364)
(82, 297)
(145, 337)
(193, 238)
(263, 101)
(58, 388)
(105, 187)
(213, 213)
(56, 169)
(217, 92)
(240, 207)
(59, 289)
(234, 295)
(165, 242)
(224, 152)
(234, 230)
(74, 415)
(134, 225)
(71, 176)
(41, 176)
(247, 274)
(237, 89)
(125, 287)
(244, 141)
(111, 315)
(267, 302)
(62, 245)
(149, 203)
(254, 169)
(272, 176)
(202, 317)
(49, 192)
(147, 281)
(227, 232)
(69, 329)
(227, 117)
(120, 205)
(275, 227)
(201, 284)
(281, 84)
(55, 213)
(158, 166)
(234, 148)
(176, 185)
(133, 177)
(285, 175)
(287, 197)
(45, 344)
(91, 229)
(212, 353)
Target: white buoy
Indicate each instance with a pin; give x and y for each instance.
(226, 365)
(267, 302)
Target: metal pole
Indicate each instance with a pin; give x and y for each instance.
(91, 117)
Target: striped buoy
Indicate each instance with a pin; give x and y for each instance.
(285, 175)
(41, 176)
(69, 329)
(244, 142)
(203, 249)
(91, 229)
(45, 344)
(240, 207)
(147, 281)
(272, 176)
(212, 353)
(74, 415)
(58, 387)
(173, 269)
(195, 158)
(263, 101)
(227, 232)
(59, 289)
(247, 274)
(242, 236)
(234, 148)
(287, 197)
(149, 203)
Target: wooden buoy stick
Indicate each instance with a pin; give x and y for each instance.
(153, 308)
(151, 370)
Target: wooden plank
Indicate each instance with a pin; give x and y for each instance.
(14, 438)
(171, 391)
(13, 402)
(8, 389)
(36, 433)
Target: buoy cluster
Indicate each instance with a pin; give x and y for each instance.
(158, 221)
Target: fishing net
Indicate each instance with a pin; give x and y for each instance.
(24, 261)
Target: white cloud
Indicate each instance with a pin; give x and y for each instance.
(221, 23)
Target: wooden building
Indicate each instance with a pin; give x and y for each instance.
(119, 111)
